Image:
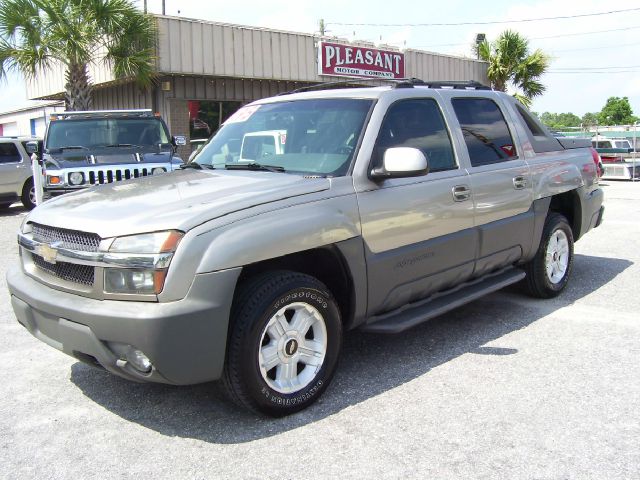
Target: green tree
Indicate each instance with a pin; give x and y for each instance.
(36, 35)
(590, 119)
(560, 121)
(511, 64)
(617, 111)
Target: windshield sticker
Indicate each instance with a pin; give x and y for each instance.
(242, 115)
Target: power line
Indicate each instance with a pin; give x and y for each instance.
(597, 48)
(596, 68)
(585, 33)
(537, 38)
(580, 72)
(495, 22)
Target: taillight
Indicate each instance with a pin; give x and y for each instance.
(596, 159)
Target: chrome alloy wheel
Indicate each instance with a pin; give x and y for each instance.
(32, 195)
(293, 347)
(557, 256)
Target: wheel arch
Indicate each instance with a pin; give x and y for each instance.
(569, 204)
(337, 266)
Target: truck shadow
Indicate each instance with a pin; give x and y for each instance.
(370, 365)
(13, 211)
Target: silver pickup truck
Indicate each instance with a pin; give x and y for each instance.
(371, 208)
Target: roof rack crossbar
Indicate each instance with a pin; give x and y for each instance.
(453, 84)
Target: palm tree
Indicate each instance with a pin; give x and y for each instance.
(36, 35)
(511, 64)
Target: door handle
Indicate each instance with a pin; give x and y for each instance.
(461, 193)
(519, 182)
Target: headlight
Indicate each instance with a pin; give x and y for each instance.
(156, 242)
(157, 171)
(141, 282)
(158, 246)
(76, 178)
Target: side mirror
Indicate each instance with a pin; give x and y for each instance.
(400, 162)
(179, 140)
(32, 147)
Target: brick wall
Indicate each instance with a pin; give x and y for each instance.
(178, 123)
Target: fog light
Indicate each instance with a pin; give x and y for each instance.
(157, 171)
(139, 360)
(131, 355)
(76, 178)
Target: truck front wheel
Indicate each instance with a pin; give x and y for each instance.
(548, 272)
(284, 343)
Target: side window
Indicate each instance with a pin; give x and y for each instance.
(531, 124)
(485, 131)
(9, 153)
(419, 124)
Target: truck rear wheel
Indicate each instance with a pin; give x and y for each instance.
(549, 271)
(284, 343)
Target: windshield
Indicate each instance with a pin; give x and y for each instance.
(315, 137)
(95, 133)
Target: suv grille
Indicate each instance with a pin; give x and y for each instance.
(71, 239)
(70, 272)
(117, 174)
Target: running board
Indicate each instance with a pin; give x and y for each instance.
(414, 314)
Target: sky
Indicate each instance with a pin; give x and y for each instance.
(594, 57)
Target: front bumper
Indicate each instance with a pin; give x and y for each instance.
(185, 340)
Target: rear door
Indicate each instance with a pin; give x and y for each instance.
(12, 168)
(500, 181)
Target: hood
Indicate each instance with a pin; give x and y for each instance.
(112, 156)
(179, 200)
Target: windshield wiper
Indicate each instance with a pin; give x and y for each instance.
(196, 166)
(68, 147)
(254, 166)
(116, 145)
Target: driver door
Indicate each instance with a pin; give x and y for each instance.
(418, 231)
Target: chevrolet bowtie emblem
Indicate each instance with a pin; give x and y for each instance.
(49, 253)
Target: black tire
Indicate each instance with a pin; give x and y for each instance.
(28, 195)
(254, 309)
(539, 282)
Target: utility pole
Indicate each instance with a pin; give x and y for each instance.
(145, 6)
(480, 37)
(322, 27)
(163, 9)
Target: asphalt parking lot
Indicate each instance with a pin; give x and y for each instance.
(505, 387)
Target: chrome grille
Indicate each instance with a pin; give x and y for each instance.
(71, 272)
(71, 239)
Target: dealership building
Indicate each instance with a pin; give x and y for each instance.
(207, 70)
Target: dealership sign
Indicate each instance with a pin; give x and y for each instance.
(352, 61)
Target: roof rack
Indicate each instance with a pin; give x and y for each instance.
(397, 83)
(451, 84)
(102, 113)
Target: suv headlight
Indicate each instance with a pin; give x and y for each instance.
(154, 250)
(76, 178)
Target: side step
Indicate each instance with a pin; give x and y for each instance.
(414, 314)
